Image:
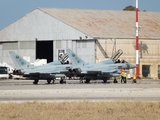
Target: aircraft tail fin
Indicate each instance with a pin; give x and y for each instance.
(76, 60)
(19, 62)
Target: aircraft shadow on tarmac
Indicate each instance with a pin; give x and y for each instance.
(56, 83)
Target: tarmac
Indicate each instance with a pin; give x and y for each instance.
(25, 91)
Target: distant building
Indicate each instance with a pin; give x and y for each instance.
(94, 35)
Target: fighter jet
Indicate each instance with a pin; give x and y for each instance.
(47, 72)
(103, 70)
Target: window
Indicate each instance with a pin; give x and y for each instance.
(3, 70)
(146, 71)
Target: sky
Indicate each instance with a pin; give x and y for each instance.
(12, 10)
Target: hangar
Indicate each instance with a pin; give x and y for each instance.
(93, 34)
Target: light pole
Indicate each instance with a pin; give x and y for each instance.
(137, 41)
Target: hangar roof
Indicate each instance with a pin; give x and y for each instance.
(109, 24)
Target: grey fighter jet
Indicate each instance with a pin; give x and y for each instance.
(43, 72)
(102, 70)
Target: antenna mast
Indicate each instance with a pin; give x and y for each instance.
(137, 41)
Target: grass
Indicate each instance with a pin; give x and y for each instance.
(82, 110)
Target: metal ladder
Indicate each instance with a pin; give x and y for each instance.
(116, 55)
(63, 58)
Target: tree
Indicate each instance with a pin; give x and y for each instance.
(129, 8)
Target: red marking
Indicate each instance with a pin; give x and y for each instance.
(137, 70)
(136, 14)
(136, 42)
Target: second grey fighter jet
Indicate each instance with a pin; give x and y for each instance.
(103, 70)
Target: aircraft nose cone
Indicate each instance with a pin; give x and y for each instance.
(132, 66)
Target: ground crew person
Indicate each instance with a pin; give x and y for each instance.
(123, 77)
(134, 79)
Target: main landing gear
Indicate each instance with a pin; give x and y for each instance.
(81, 80)
(115, 80)
(62, 80)
(87, 80)
(36, 81)
(48, 81)
(105, 80)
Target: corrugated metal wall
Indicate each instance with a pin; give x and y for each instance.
(5, 52)
(25, 49)
(149, 52)
(42, 26)
(1, 55)
(84, 49)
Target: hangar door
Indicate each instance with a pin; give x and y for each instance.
(44, 50)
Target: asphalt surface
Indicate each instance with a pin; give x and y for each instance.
(73, 90)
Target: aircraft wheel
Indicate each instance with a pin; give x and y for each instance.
(53, 81)
(87, 81)
(105, 80)
(115, 81)
(81, 81)
(61, 81)
(35, 82)
(48, 81)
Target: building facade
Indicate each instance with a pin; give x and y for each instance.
(93, 34)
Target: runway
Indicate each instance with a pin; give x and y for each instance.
(24, 90)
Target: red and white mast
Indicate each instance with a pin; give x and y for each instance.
(137, 41)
